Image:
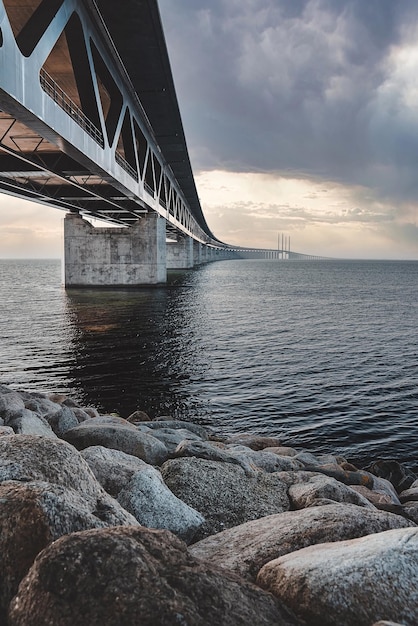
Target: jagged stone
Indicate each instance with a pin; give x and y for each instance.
(223, 493)
(246, 548)
(355, 582)
(136, 576)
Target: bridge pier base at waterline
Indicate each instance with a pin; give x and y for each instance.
(180, 253)
(95, 257)
(134, 256)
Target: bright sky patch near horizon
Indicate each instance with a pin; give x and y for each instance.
(301, 117)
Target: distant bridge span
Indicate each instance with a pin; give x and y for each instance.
(90, 123)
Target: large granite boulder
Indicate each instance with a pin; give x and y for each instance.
(320, 487)
(119, 436)
(34, 514)
(223, 493)
(246, 548)
(112, 468)
(136, 576)
(352, 583)
(153, 504)
(29, 457)
(26, 422)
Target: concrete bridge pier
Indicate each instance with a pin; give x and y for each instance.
(197, 253)
(114, 256)
(180, 254)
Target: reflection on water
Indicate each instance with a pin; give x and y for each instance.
(134, 348)
(323, 353)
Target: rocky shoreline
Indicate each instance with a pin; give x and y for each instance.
(114, 521)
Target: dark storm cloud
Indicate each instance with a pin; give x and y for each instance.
(306, 86)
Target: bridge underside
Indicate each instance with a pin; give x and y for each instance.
(90, 124)
(74, 133)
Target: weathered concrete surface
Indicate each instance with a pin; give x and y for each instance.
(114, 256)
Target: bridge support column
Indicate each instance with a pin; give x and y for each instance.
(180, 253)
(197, 252)
(114, 256)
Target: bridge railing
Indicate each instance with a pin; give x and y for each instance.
(59, 96)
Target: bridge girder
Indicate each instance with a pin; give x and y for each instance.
(73, 132)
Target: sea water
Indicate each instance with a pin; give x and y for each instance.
(321, 353)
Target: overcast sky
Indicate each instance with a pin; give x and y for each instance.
(301, 117)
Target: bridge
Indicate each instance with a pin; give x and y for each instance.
(90, 124)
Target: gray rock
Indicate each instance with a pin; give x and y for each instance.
(398, 474)
(253, 441)
(345, 476)
(138, 416)
(119, 437)
(307, 493)
(282, 450)
(62, 420)
(171, 437)
(81, 415)
(6, 430)
(136, 576)
(385, 487)
(194, 428)
(110, 420)
(409, 495)
(26, 422)
(246, 548)
(411, 511)
(11, 402)
(211, 452)
(223, 493)
(263, 460)
(34, 514)
(112, 468)
(28, 458)
(355, 582)
(380, 500)
(153, 504)
(90, 410)
(42, 406)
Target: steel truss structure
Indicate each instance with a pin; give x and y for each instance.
(73, 131)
